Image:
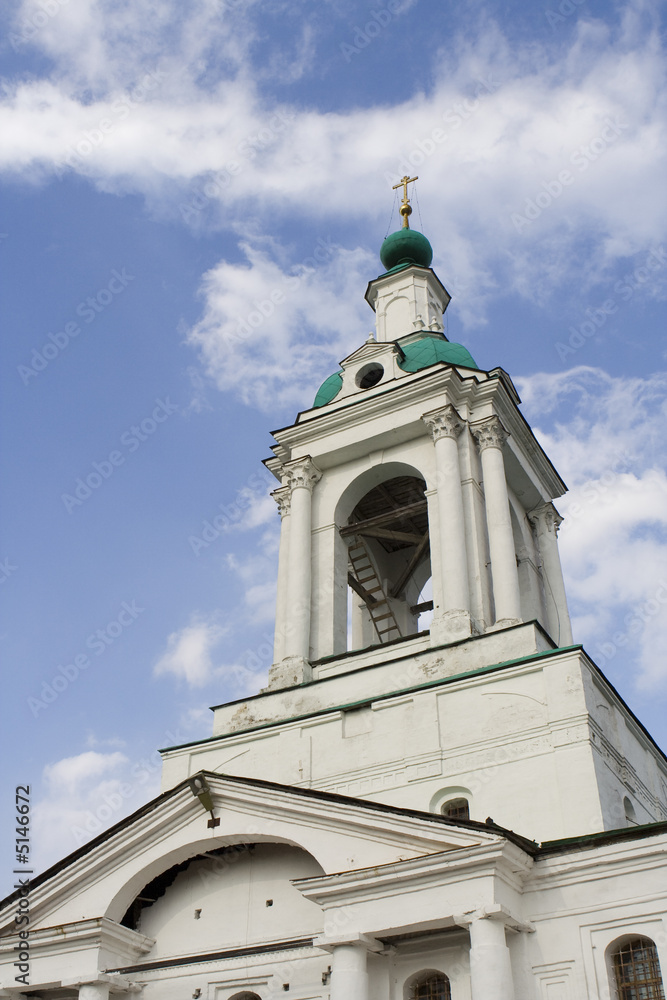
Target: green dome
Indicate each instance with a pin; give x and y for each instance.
(430, 349)
(329, 389)
(406, 247)
(420, 350)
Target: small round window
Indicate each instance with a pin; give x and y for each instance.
(369, 375)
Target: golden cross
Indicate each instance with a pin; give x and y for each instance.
(405, 208)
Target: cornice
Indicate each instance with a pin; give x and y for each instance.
(498, 859)
(478, 394)
(578, 863)
(98, 931)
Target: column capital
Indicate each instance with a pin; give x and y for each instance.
(498, 913)
(283, 497)
(355, 939)
(545, 518)
(445, 422)
(301, 472)
(489, 433)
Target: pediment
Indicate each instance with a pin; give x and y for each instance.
(370, 351)
(342, 834)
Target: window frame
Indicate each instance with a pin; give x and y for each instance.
(617, 986)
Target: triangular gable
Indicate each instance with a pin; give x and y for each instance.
(370, 351)
(341, 833)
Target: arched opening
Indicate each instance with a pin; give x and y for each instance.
(629, 811)
(245, 995)
(635, 969)
(389, 565)
(452, 802)
(458, 808)
(430, 985)
(226, 897)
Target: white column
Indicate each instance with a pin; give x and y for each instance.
(302, 474)
(445, 426)
(490, 436)
(94, 991)
(282, 498)
(546, 521)
(490, 968)
(349, 974)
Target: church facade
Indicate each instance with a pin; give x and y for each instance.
(438, 795)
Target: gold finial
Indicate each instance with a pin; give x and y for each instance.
(405, 209)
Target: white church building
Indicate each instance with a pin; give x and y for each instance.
(434, 798)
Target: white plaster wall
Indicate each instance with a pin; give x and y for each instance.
(231, 893)
(518, 739)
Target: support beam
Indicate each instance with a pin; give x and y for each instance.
(358, 588)
(417, 557)
(418, 507)
(394, 536)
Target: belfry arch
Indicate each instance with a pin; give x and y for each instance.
(388, 559)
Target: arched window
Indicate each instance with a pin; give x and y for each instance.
(456, 809)
(630, 814)
(637, 970)
(434, 986)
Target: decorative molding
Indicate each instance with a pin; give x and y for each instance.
(283, 497)
(446, 422)
(489, 433)
(302, 472)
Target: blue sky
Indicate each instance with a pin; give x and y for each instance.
(164, 168)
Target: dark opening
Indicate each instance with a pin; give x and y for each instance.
(456, 809)
(369, 376)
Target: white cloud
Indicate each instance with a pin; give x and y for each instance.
(269, 330)
(85, 794)
(608, 443)
(511, 118)
(193, 654)
(188, 653)
(70, 773)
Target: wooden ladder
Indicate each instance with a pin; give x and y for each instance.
(364, 581)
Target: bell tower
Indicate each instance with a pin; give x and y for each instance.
(413, 470)
(423, 653)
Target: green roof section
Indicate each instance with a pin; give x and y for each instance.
(329, 389)
(406, 246)
(432, 349)
(417, 351)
